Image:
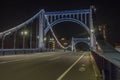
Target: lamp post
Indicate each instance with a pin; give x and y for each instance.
(52, 43)
(24, 33)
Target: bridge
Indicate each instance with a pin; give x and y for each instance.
(50, 59)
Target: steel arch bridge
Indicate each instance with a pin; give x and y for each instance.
(78, 40)
(45, 22)
(81, 17)
(42, 22)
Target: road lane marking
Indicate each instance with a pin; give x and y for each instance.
(11, 61)
(60, 78)
(82, 69)
(54, 58)
(83, 65)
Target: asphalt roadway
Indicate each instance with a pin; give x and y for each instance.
(48, 66)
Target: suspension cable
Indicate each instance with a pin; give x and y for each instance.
(54, 34)
(7, 32)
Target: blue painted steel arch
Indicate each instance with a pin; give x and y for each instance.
(86, 42)
(68, 19)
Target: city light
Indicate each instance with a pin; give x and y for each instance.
(65, 44)
(51, 39)
(100, 28)
(62, 39)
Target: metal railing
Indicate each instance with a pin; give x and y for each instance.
(109, 66)
(108, 61)
(20, 51)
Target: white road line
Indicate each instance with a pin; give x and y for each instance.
(83, 65)
(11, 61)
(82, 69)
(60, 78)
(54, 58)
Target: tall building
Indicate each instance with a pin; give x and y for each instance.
(102, 29)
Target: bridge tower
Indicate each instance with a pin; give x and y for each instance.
(41, 30)
(92, 36)
(82, 17)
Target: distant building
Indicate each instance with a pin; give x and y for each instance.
(102, 28)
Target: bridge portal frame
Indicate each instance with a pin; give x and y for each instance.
(77, 16)
(75, 41)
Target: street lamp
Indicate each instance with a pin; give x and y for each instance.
(45, 38)
(92, 30)
(62, 39)
(88, 38)
(52, 42)
(24, 33)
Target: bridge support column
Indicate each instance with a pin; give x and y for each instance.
(92, 36)
(41, 31)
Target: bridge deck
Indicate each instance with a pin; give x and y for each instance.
(49, 66)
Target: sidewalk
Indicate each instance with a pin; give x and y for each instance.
(96, 69)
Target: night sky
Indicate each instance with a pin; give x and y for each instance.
(14, 12)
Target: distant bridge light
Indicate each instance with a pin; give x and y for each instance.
(62, 39)
(65, 43)
(51, 39)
